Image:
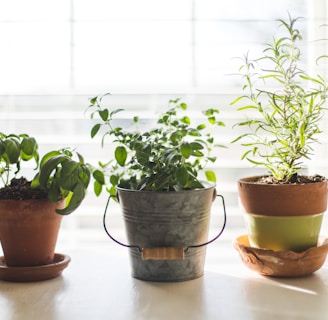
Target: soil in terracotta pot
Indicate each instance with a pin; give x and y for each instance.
(296, 179)
(20, 189)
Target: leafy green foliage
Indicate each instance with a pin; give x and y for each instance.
(61, 177)
(165, 158)
(284, 123)
(58, 174)
(13, 150)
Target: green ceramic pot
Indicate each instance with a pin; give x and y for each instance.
(283, 216)
(296, 233)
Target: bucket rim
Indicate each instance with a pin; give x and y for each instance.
(207, 186)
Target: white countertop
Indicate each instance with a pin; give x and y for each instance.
(97, 285)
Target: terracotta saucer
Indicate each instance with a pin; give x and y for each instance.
(281, 263)
(37, 273)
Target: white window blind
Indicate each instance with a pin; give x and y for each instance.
(55, 55)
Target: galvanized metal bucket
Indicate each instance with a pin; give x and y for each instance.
(167, 232)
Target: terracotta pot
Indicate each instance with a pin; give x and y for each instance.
(282, 199)
(283, 216)
(28, 231)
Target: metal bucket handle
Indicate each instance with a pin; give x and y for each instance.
(165, 253)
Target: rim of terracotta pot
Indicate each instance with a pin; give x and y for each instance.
(282, 199)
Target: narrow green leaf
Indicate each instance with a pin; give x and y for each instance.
(211, 120)
(54, 193)
(114, 179)
(201, 127)
(210, 176)
(186, 149)
(73, 202)
(197, 153)
(68, 168)
(183, 105)
(104, 114)
(29, 146)
(182, 176)
(49, 155)
(93, 101)
(97, 188)
(196, 146)
(47, 168)
(121, 155)
(142, 157)
(185, 120)
(236, 100)
(99, 176)
(2, 147)
(95, 130)
(12, 150)
(247, 107)
(35, 181)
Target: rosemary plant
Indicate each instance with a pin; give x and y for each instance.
(284, 122)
